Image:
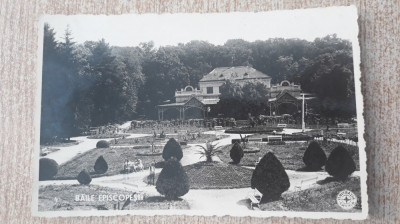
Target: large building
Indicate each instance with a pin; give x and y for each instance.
(191, 102)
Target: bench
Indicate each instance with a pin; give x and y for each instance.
(255, 199)
(254, 139)
(218, 127)
(343, 125)
(306, 181)
(281, 125)
(274, 137)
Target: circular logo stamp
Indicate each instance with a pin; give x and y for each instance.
(346, 199)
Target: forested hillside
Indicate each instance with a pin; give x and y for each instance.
(93, 83)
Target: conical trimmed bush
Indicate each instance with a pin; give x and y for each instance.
(173, 181)
(270, 178)
(314, 157)
(100, 166)
(340, 164)
(236, 153)
(172, 150)
(84, 177)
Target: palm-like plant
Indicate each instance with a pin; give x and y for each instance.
(209, 151)
(244, 140)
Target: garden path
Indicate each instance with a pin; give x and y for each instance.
(85, 144)
(199, 199)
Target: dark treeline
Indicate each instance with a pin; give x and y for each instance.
(93, 83)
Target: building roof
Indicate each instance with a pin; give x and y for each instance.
(234, 73)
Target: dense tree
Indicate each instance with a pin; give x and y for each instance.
(238, 101)
(59, 76)
(94, 84)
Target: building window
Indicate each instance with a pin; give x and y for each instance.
(209, 90)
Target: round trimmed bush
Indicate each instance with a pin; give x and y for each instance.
(102, 144)
(340, 164)
(270, 178)
(84, 177)
(314, 157)
(172, 150)
(236, 153)
(48, 168)
(173, 181)
(100, 166)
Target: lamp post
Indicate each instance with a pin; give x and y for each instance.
(303, 124)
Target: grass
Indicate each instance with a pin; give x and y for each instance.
(317, 199)
(114, 158)
(147, 140)
(216, 175)
(290, 155)
(168, 130)
(62, 197)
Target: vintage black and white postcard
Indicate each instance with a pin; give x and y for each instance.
(241, 114)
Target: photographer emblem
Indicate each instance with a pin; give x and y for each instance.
(346, 199)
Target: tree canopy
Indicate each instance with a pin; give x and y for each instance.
(93, 83)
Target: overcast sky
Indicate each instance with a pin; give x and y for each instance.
(171, 29)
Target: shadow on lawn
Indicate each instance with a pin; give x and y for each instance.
(308, 169)
(160, 199)
(332, 179)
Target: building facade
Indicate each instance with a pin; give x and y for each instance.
(193, 102)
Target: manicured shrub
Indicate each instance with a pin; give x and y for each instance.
(103, 144)
(84, 177)
(100, 166)
(340, 164)
(48, 168)
(172, 150)
(173, 181)
(236, 153)
(314, 157)
(270, 178)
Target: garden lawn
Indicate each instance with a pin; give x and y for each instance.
(167, 130)
(290, 155)
(161, 141)
(217, 175)
(321, 198)
(62, 197)
(115, 159)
